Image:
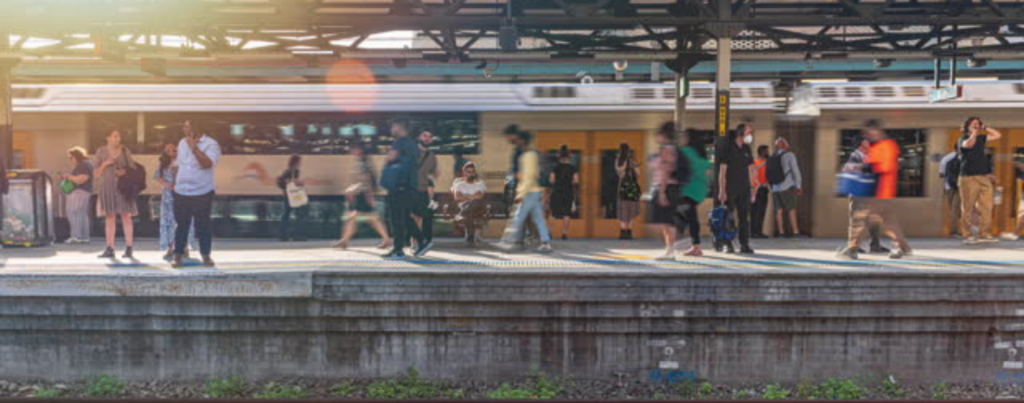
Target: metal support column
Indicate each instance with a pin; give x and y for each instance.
(682, 91)
(7, 63)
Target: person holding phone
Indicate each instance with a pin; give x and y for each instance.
(976, 189)
(194, 190)
(111, 163)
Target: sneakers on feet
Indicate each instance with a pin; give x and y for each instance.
(847, 253)
(506, 246)
(880, 249)
(1010, 237)
(423, 250)
(394, 255)
(669, 256)
(694, 251)
(177, 261)
(899, 253)
(208, 261)
(545, 248)
(970, 241)
(745, 250)
(107, 253)
(988, 239)
(128, 253)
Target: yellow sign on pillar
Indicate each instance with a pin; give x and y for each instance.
(722, 117)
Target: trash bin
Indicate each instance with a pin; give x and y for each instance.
(28, 218)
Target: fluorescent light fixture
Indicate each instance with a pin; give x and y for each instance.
(964, 79)
(825, 80)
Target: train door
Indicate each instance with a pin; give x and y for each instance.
(593, 154)
(23, 153)
(1011, 146)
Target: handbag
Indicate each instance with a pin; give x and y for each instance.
(67, 186)
(855, 184)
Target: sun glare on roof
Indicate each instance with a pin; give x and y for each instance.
(384, 40)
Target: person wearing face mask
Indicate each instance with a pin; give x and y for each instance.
(736, 167)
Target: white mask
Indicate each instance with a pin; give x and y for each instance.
(748, 139)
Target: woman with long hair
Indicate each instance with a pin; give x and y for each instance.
(628, 204)
(77, 207)
(360, 201)
(165, 174)
(564, 179)
(112, 162)
(290, 175)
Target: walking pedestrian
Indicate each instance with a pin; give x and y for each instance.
(194, 191)
(165, 175)
(976, 189)
(858, 163)
(470, 193)
(360, 201)
(665, 201)
(529, 195)
(291, 175)
(564, 181)
(694, 191)
(949, 171)
(883, 162)
(629, 191)
(763, 190)
(112, 162)
(400, 178)
(77, 207)
(736, 169)
(783, 173)
(423, 214)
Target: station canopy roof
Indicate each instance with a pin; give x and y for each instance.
(311, 38)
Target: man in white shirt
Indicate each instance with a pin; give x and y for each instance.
(469, 192)
(194, 189)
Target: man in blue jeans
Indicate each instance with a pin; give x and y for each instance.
(529, 202)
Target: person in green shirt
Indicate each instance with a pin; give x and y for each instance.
(694, 192)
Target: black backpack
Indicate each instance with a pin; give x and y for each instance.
(774, 171)
(682, 172)
(953, 173)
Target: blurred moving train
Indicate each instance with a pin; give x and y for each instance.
(259, 126)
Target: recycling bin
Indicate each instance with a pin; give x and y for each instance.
(28, 212)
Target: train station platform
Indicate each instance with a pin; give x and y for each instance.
(594, 309)
(813, 256)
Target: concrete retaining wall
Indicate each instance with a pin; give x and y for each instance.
(661, 328)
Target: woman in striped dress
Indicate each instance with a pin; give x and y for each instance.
(111, 162)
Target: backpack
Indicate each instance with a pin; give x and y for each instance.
(629, 188)
(953, 173)
(134, 180)
(391, 176)
(722, 227)
(545, 167)
(775, 173)
(682, 172)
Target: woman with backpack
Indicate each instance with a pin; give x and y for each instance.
(628, 203)
(564, 179)
(694, 191)
(112, 163)
(665, 199)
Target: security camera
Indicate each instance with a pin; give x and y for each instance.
(620, 65)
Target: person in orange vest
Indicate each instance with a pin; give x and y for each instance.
(883, 161)
(760, 184)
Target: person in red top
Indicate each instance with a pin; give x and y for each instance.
(760, 185)
(883, 160)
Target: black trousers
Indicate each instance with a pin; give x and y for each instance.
(740, 206)
(688, 219)
(399, 212)
(189, 209)
(286, 218)
(427, 216)
(757, 214)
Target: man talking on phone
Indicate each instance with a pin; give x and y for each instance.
(193, 192)
(976, 189)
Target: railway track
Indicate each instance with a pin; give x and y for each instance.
(251, 400)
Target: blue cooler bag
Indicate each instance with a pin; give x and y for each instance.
(855, 184)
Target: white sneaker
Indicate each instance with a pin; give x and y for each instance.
(1008, 236)
(669, 256)
(971, 241)
(989, 239)
(545, 248)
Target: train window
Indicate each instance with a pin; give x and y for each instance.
(913, 149)
(311, 133)
(127, 123)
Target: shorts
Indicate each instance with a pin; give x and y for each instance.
(785, 200)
